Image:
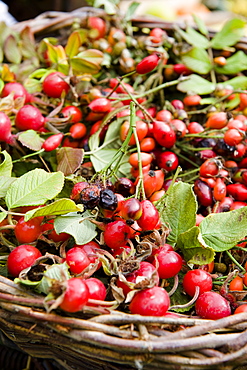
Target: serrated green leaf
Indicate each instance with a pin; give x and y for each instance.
(234, 64)
(197, 85)
(222, 231)
(5, 183)
(239, 82)
(31, 140)
(229, 35)
(94, 141)
(194, 38)
(54, 273)
(112, 134)
(34, 188)
(180, 201)
(69, 159)
(74, 224)
(197, 60)
(192, 249)
(200, 24)
(73, 44)
(6, 166)
(57, 208)
(102, 157)
(11, 50)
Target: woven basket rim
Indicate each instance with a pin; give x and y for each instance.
(118, 338)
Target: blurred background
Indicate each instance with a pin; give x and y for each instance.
(213, 12)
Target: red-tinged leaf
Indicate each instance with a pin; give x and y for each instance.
(73, 44)
(69, 159)
(11, 50)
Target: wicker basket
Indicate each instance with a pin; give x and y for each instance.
(116, 340)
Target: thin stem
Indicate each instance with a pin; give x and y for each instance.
(187, 160)
(28, 156)
(235, 261)
(212, 72)
(157, 88)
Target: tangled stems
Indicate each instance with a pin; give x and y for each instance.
(122, 151)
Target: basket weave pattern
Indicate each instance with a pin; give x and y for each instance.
(116, 340)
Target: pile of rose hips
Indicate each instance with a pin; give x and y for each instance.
(131, 236)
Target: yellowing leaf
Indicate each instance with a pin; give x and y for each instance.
(73, 44)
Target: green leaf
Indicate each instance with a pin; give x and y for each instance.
(6, 166)
(180, 201)
(31, 140)
(197, 60)
(80, 66)
(27, 43)
(94, 141)
(82, 230)
(3, 270)
(101, 158)
(179, 298)
(32, 85)
(235, 64)
(229, 35)
(11, 50)
(109, 5)
(5, 31)
(239, 82)
(131, 10)
(1, 56)
(34, 188)
(1, 81)
(194, 38)
(197, 85)
(54, 273)
(3, 215)
(39, 73)
(207, 101)
(221, 231)
(5, 183)
(73, 44)
(52, 52)
(69, 159)
(200, 24)
(57, 208)
(192, 249)
(233, 103)
(92, 55)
